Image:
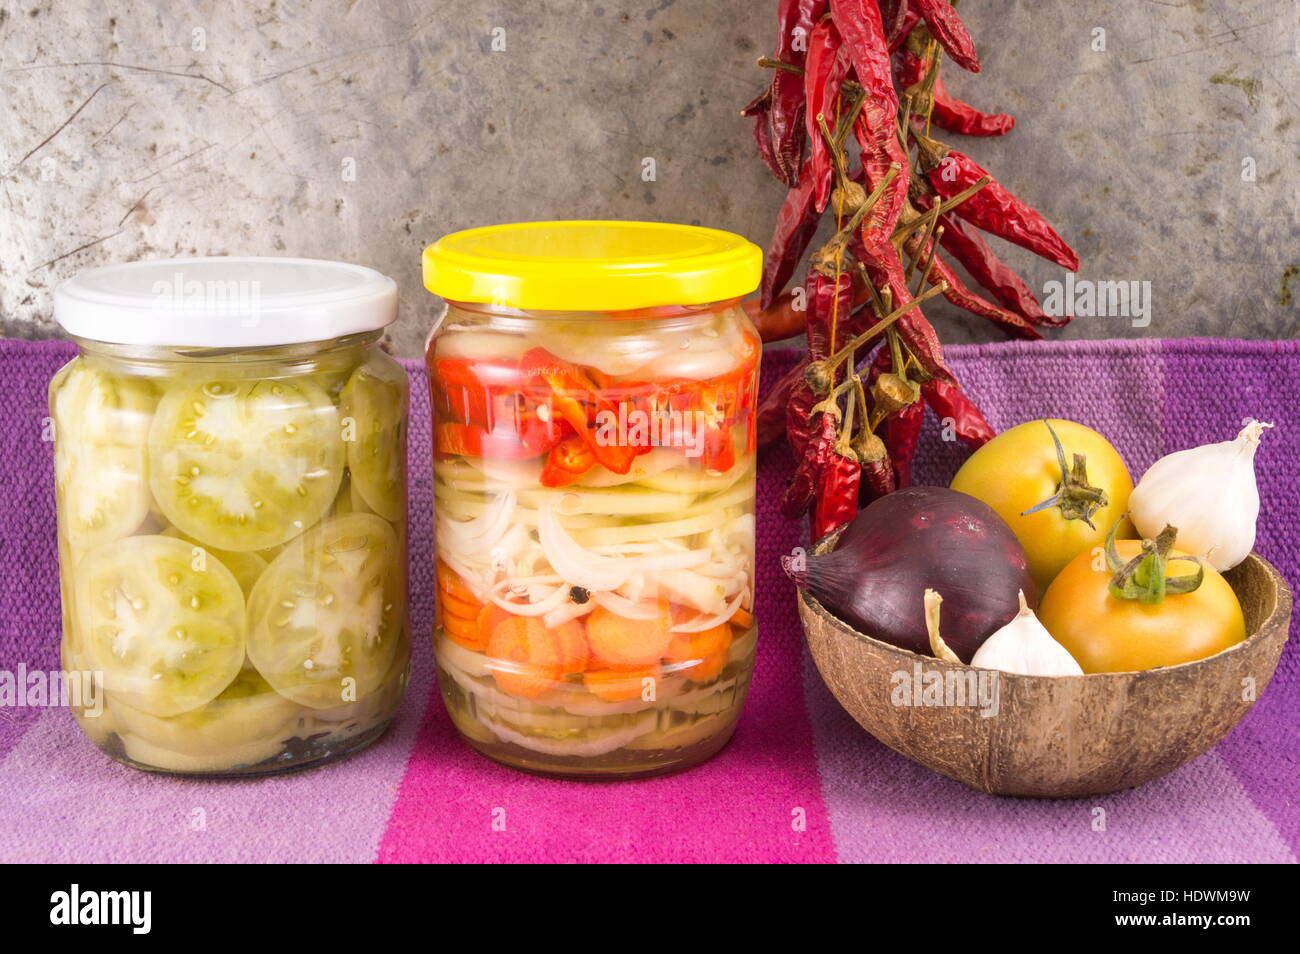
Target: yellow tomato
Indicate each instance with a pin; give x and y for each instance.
(1108, 634)
(1019, 469)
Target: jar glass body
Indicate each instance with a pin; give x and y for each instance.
(232, 550)
(594, 533)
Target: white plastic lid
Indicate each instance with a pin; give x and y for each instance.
(225, 302)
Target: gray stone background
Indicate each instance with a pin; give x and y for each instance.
(138, 129)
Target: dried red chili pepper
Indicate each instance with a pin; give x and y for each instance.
(837, 494)
(902, 433)
(880, 151)
(966, 245)
(951, 404)
(771, 415)
(811, 461)
(795, 22)
(877, 472)
(994, 209)
(830, 304)
(864, 39)
(760, 109)
(825, 69)
(796, 224)
(886, 271)
(951, 33)
(900, 18)
(947, 111)
(952, 114)
(963, 297)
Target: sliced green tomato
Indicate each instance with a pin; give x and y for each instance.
(374, 402)
(245, 464)
(247, 567)
(101, 428)
(330, 608)
(165, 628)
(151, 755)
(247, 711)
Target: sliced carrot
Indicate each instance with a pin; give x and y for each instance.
(742, 618)
(574, 651)
(454, 606)
(450, 583)
(618, 685)
(488, 617)
(526, 658)
(701, 655)
(628, 643)
(461, 631)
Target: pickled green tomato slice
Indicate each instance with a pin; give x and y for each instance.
(246, 566)
(101, 430)
(245, 464)
(248, 710)
(166, 628)
(331, 607)
(373, 402)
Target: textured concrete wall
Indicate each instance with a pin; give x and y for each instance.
(364, 130)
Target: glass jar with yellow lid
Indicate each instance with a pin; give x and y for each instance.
(230, 468)
(593, 390)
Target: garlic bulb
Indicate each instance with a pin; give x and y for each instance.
(1209, 494)
(1025, 646)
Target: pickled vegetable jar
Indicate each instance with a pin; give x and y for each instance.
(231, 490)
(593, 390)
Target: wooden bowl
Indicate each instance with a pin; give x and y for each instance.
(1057, 736)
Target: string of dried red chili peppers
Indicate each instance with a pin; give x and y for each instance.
(868, 71)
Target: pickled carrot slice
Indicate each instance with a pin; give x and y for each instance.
(618, 685)
(742, 618)
(488, 617)
(526, 657)
(628, 643)
(703, 654)
(462, 631)
(571, 639)
(450, 583)
(454, 606)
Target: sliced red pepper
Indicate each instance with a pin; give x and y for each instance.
(473, 440)
(567, 462)
(570, 393)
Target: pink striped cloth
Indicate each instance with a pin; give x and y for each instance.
(799, 783)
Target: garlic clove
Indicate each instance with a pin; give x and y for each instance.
(1025, 646)
(1209, 493)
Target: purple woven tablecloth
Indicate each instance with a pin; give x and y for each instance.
(419, 794)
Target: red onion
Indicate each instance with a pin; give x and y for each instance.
(875, 578)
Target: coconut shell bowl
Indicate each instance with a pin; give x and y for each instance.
(1058, 736)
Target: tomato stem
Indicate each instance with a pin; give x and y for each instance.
(1143, 577)
(1076, 498)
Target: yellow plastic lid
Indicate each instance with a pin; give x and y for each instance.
(591, 266)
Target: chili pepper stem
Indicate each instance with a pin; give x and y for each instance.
(768, 63)
(934, 251)
(903, 231)
(884, 323)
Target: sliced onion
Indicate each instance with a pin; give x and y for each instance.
(483, 532)
(701, 623)
(577, 565)
(554, 599)
(622, 606)
(566, 612)
(473, 580)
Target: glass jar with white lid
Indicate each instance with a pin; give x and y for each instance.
(230, 466)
